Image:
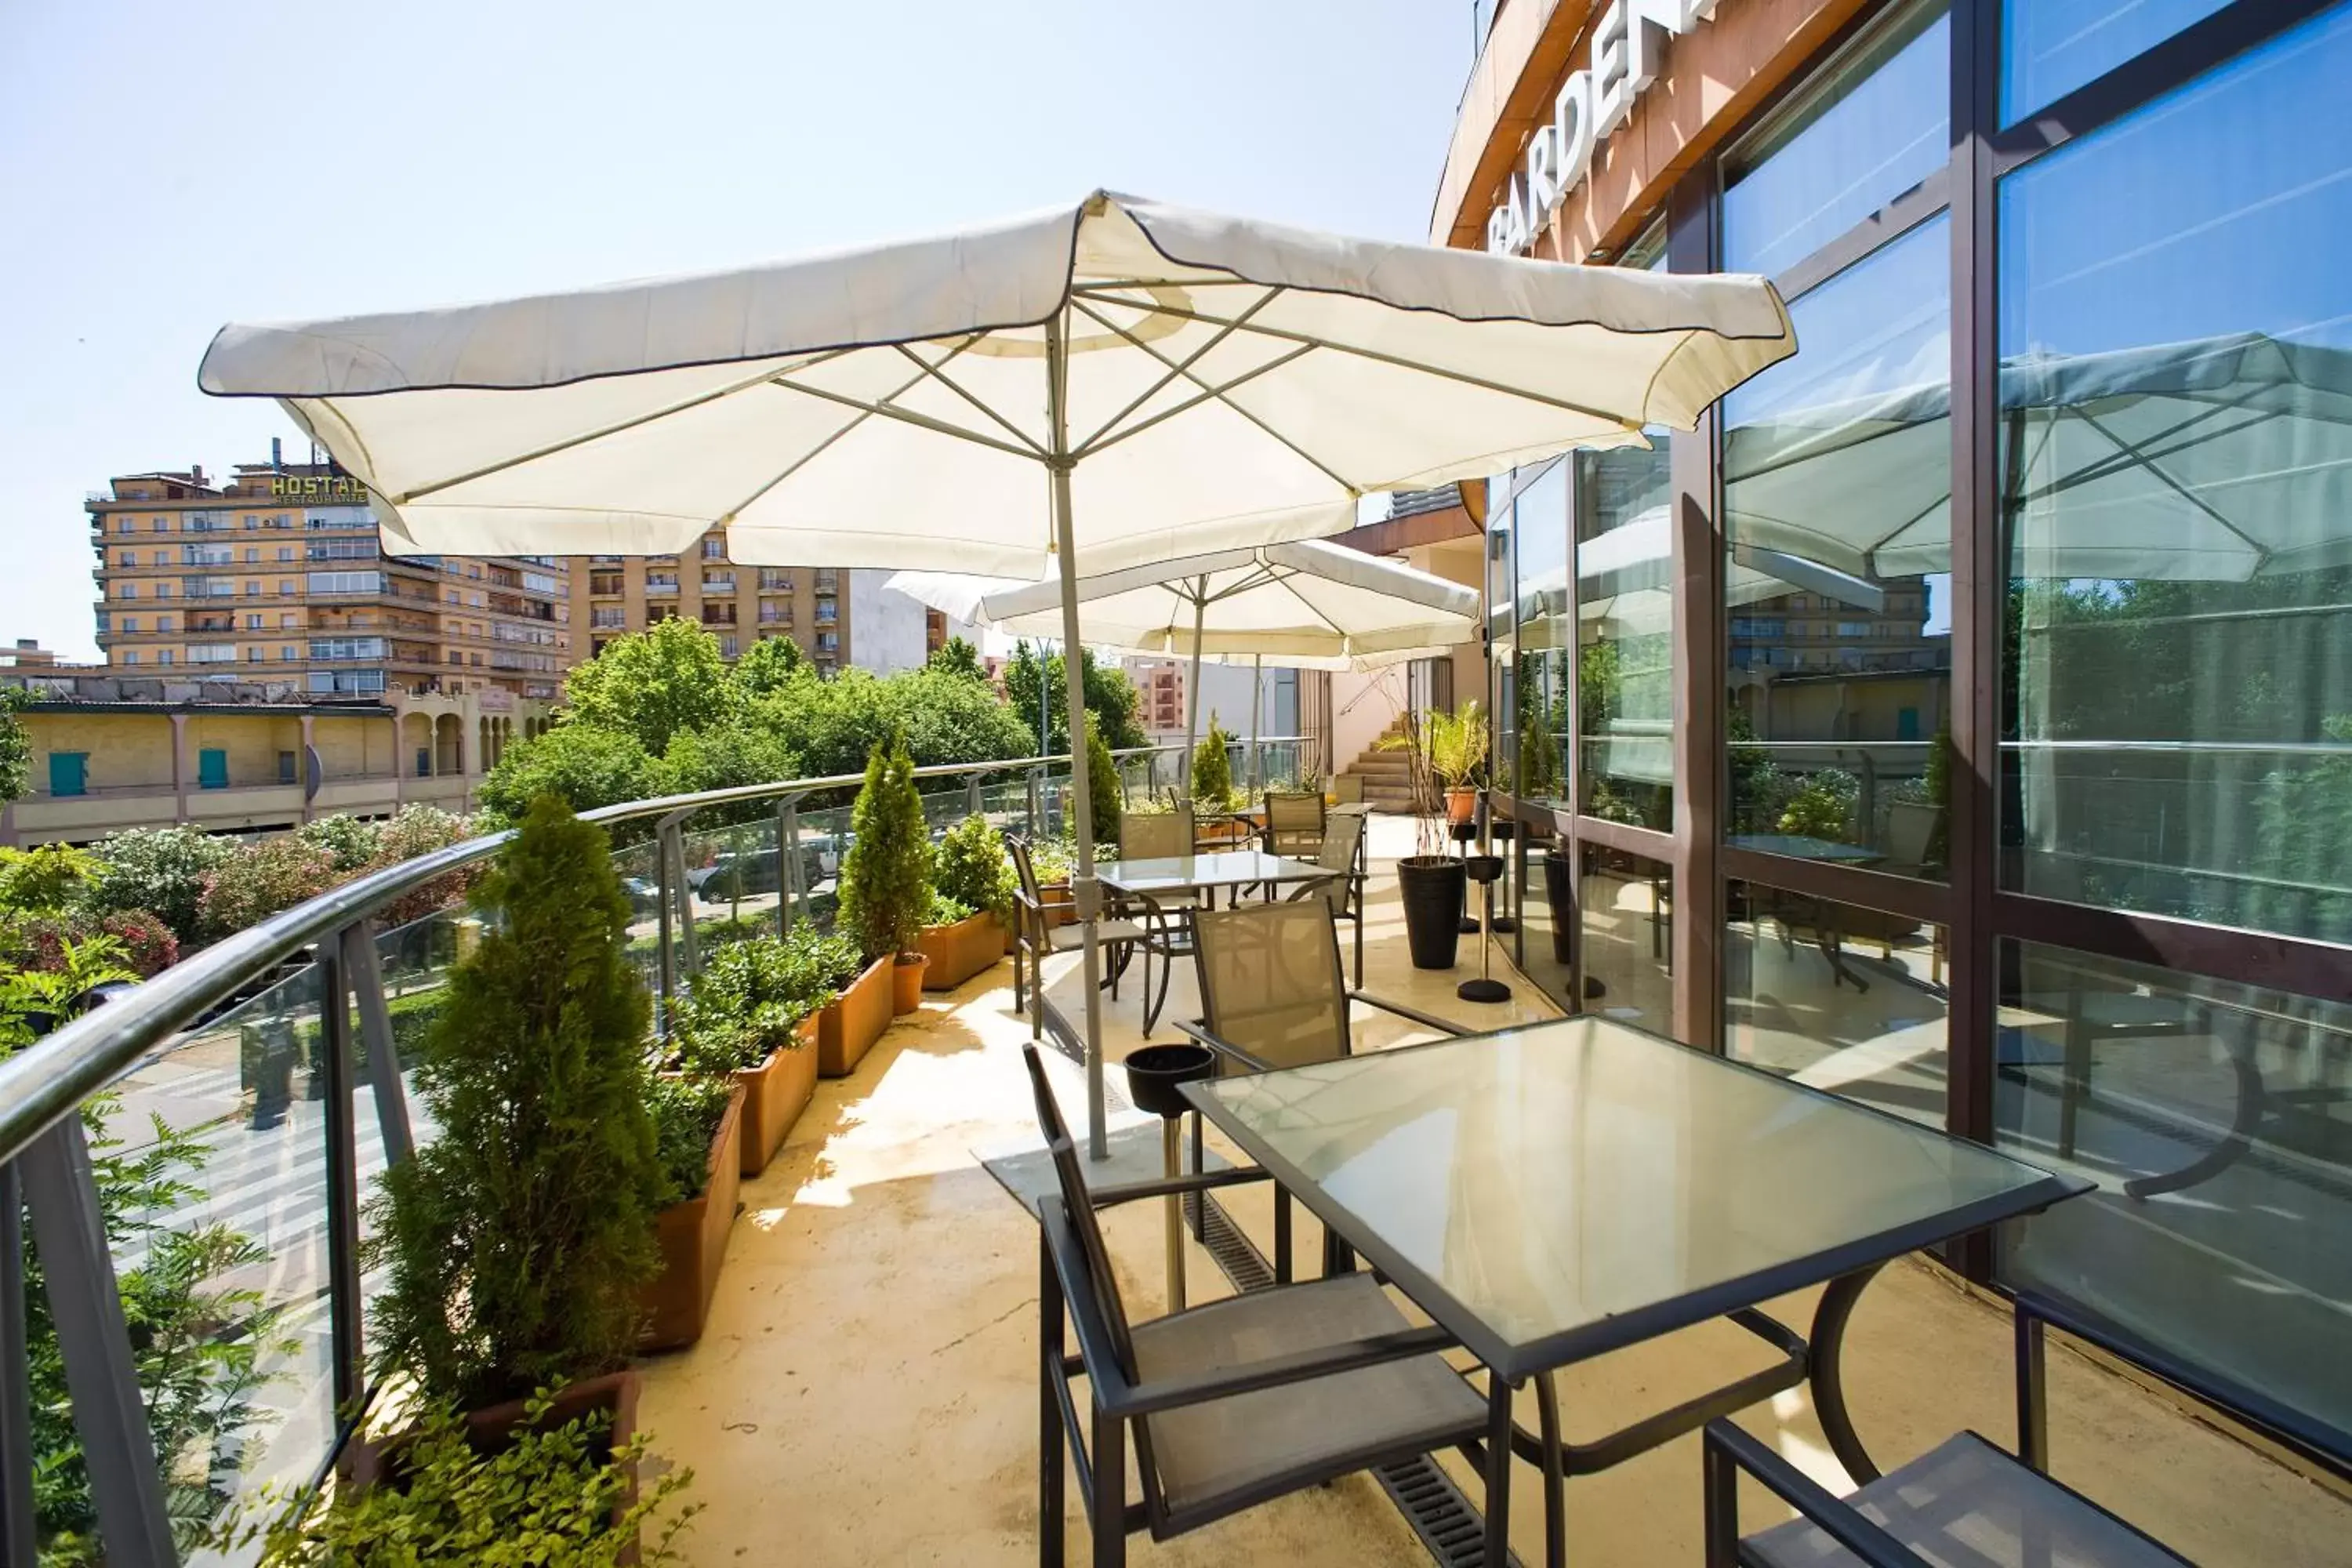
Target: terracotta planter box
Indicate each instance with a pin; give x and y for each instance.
(906, 972)
(693, 1240)
(376, 1461)
(848, 1028)
(774, 1094)
(961, 950)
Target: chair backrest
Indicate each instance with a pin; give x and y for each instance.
(1018, 847)
(1294, 820)
(1155, 835)
(1099, 1280)
(1270, 981)
(1341, 837)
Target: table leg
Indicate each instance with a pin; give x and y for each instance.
(2253, 1097)
(1827, 1376)
(1498, 1471)
(1555, 1475)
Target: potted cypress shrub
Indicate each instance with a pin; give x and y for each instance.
(697, 1130)
(752, 1014)
(971, 904)
(516, 1243)
(1440, 761)
(886, 877)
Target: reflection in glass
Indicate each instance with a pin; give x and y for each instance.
(1837, 468)
(2215, 1119)
(1625, 642)
(1878, 127)
(1625, 908)
(1546, 883)
(1838, 996)
(1502, 696)
(1540, 686)
(2050, 47)
(2176, 327)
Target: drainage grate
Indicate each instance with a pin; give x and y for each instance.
(1455, 1532)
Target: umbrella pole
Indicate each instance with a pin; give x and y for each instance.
(1084, 892)
(1193, 682)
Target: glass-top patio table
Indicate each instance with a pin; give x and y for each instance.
(1160, 876)
(1551, 1193)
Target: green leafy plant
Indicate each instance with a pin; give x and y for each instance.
(958, 657)
(886, 877)
(40, 941)
(946, 911)
(15, 745)
(652, 684)
(581, 765)
(421, 829)
(751, 996)
(44, 879)
(971, 869)
(1444, 753)
(262, 878)
(1212, 768)
(770, 665)
(687, 1109)
(202, 1338)
(350, 841)
(1823, 806)
(557, 1494)
(1103, 793)
(1036, 687)
(515, 1241)
(159, 869)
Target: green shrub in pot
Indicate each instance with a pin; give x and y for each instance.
(750, 995)
(886, 877)
(687, 1109)
(971, 869)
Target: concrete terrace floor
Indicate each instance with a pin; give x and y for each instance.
(867, 1391)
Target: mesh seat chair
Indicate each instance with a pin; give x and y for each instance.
(1232, 1404)
(1967, 1503)
(1155, 835)
(1294, 822)
(1343, 851)
(1038, 936)
(1158, 836)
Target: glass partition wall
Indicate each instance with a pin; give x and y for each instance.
(1961, 718)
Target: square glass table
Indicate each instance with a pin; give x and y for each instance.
(1551, 1193)
(1163, 875)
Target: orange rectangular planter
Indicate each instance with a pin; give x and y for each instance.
(693, 1240)
(848, 1029)
(776, 1093)
(961, 950)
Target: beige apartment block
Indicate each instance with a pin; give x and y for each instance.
(738, 605)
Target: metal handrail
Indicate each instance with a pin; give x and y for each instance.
(43, 1084)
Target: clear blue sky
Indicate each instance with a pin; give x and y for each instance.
(171, 167)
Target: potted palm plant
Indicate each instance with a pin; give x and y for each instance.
(535, 1074)
(1444, 752)
(886, 877)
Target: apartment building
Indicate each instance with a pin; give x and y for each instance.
(276, 576)
(838, 617)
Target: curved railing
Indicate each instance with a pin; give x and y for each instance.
(332, 943)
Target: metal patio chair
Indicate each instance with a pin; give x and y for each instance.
(1167, 936)
(1155, 835)
(1343, 851)
(1039, 936)
(1967, 1500)
(1232, 1404)
(1294, 822)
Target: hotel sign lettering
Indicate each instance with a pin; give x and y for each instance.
(317, 486)
(1629, 44)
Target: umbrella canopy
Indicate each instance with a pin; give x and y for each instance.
(1094, 387)
(2187, 462)
(1308, 605)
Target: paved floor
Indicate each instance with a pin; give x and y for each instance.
(867, 1391)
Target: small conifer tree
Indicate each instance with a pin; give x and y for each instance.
(1103, 792)
(886, 877)
(1212, 768)
(517, 1239)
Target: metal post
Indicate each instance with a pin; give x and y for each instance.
(19, 1545)
(668, 916)
(365, 973)
(1172, 1160)
(788, 864)
(1036, 801)
(101, 1376)
(1257, 699)
(971, 796)
(348, 1349)
(1084, 892)
(675, 839)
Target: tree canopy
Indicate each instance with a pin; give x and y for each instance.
(958, 657)
(1111, 698)
(652, 684)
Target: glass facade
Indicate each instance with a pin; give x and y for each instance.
(2025, 618)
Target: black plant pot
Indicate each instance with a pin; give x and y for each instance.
(1431, 887)
(1560, 892)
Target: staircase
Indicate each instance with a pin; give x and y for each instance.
(1387, 776)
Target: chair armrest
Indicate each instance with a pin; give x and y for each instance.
(1171, 1186)
(1727, 1446)
(1425, 1020)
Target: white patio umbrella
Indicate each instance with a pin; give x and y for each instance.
(1308, 604)
(1089, 388)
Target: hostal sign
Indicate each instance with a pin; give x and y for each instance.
(1628, 43)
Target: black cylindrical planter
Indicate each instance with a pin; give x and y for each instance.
(1431, 887)
(1560, 892)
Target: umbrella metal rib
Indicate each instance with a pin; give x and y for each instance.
(1149, 393)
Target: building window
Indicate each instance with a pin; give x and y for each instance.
(69, 772)
(126, 590)
(130, 623)
(2049, 51)
(251, 553)
(286, 763)
(776, 580)
(726, 647)
(714, 549)
(253, 590)
(286, 653)
(131, 656)
(1880, 125)
(252, 623)
(164, 656)
(285, 552)
(2179, 694)
(1837, 469)
(719, 581)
